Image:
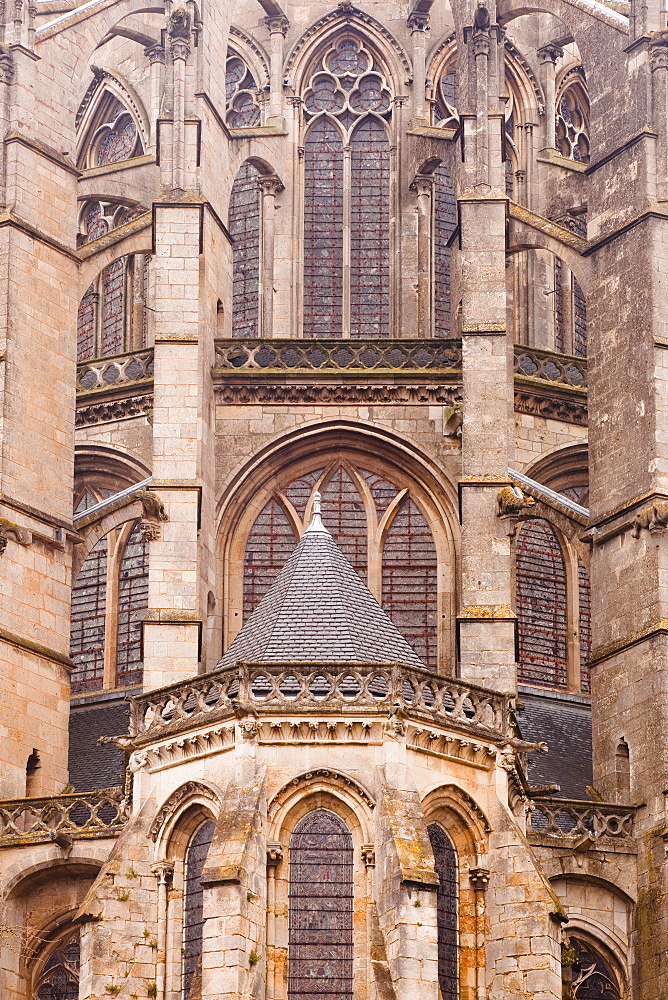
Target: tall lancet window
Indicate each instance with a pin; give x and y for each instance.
(541, 605)
(320, 949)
(347, 195)
(445, 220)
(244, 226)
(445, 860)
(193, 909)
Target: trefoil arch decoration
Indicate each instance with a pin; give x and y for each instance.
(111, 122)
(572, 116)
(242, 93)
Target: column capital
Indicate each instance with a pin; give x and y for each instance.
(422, 184)
(155, 53)
(274, 855)
(418, 22)
(278, 24)
(271, 184)
(549, 53)
(163, 870)
(479, 878)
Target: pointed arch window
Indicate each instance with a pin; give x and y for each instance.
(193, 909)
(347, 195)
(244, 228)
(320, 948)
(588, 976)
(380, 527)
(59, 977)
(445, 220)
(541, 605)
(109, 600)
(243, 110)
(447, 924)
(572, 114)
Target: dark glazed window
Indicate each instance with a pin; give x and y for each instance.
(193, 916)
(579, 321)
(409, 581)
(585, 624)
(541, 606)
(320, 954)
(445, 859)
(588, 977)
(244, 226)
(118, 143)
(89, 598)
(59, 979)
(346, 519)
(323, 231)
(132, 603)
(113, 307)
(370, 231)
(445, 220)
(270, 542)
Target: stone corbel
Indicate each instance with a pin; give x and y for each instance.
(153, 512)
(368, 855)
(512, 502)
(654, 518)
(274, 855)
(479, 878)
(20, 535)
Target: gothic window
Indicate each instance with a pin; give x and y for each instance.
(109, 599)
(570, 307)
(587, 975)
(320, 948)
(110, 134)
(59, 977)
(106, 321)
(244, 227)
(409, 580)
(579, 321)
(193, 909)
(347, 195)
(446, 100)
(445, 220)
(541, 606)
(241, 90)
(445, 860)
(584, 602)
(573, 119)
(379, 527)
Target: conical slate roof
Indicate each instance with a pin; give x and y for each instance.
(318, 610)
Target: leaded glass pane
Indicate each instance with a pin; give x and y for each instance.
(370, 231)
(89, 598)
(118, 143)
(589, 977)
(410, 581)
(244, 226)
(345, 517)
(445, 220)
(445, 860)
(320, 956)
(541, 606)
(193, 909)
(270, 542)
(585, 624)
(579, 321)
(113, 307)
(86, 325)
(323, 231)
(59, 979)
(132, 604)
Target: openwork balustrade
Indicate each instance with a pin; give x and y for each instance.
(103, 373)
(570, 818)
(338, 355)
(281, 688)
(77, 816)
(551, 367)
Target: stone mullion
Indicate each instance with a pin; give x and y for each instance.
(424, 186)
(278, 25)
(116, 541)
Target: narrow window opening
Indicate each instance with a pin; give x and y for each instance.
(193, 909)
(445, 859)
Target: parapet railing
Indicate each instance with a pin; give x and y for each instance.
(333, 689)
(549, 366)
(63, 818)
(105, 373)
(338, 355)
(567, 819)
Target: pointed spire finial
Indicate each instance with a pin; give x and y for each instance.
(316, 520)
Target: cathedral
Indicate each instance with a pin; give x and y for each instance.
(334, 500)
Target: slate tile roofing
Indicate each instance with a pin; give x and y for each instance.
(318, 610)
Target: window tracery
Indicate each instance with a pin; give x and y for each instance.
(572, 119)
(193, 908)
(109, 598)
(112, 134)
(59, 978)
(347, 104)
(380, 528)
(244, 228)
(320, 948)
(445, 862)
(586, 974)
(243, 110)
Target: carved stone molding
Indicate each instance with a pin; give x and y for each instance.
(553, 407)
(301, 393)
(277, 24)
(368, 855)
(178, 750)
(479, 878)
(113, 409)
(443, 744)
(186, 791)
(274, 855)
(9, 529)
(318, 774)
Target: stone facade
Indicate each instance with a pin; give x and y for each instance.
(408, 258)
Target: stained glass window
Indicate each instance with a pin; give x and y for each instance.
(320, 951)
(270, 542)
(193, 909)
(573, 123)
(323, 231)
(585, 624)
(445, 220)
(370, 231)
(589, 977)
(244, 226)
(118, 142)
(86, 325)
(346, 518)
(113, 307)
(445, 860)
(59, 979)
(241, 91)
(88, 621)
(132, 604)
(579, 321)
(409, 581)
(382, 490)
(541, 605)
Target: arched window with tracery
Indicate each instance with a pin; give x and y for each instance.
(347, 105)
(193, 909)
(320, 934)
(109, 130)
(243, 110)
(244, 228)
(445, 220)
(541, 605)
(109, 600)
(587, 974)
(572, 114)
(447, 923)
(58, 978)
(379, 525)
